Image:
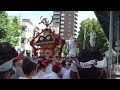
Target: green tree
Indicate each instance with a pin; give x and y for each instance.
(4, 21)
(92, 26)
(10, 28)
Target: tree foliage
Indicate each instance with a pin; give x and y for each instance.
(10, 29)
(92, 26)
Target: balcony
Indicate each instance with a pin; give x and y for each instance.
(61, 30)
(56, 21)
(56, 16)
(61, 34)
(76, 18)
(75, 34)
(63, 14)
(75, 26)
(75, 22)
(62, 18)
(62, 22)
(75, 30)
(56, 12)
(62, 26)
(76, 12)
(76, 15)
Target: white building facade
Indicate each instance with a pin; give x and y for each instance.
(28, 31)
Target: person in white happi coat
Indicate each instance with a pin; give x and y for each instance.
(42, 67)
(63, 69)
(55, 72)
(50, 63)
(66, 74)
(29, 68)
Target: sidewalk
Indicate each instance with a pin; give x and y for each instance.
(116, 75)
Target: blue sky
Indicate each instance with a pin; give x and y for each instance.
(35, 15)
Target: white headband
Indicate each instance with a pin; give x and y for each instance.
(6, 66)
(89, 64)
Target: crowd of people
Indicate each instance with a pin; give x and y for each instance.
(89, 64)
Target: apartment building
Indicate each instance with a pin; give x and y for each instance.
(67, 23)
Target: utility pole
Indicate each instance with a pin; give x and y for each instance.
(110, 44)
(118, 45)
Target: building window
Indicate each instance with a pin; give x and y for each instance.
(69, 18)
(28, 30)
(62, 26)
(61, 34)
(75, 26)
(62, 18)
(62, 14)
(69, 22)
(68, 35)
(75, 34)
(23, 40)
(62, 22)
(69, 31)
(75, 30)
(23, 28)
(62, 30)
(69, 27)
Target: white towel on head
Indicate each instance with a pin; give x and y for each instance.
(97, 64)
(6, 66)
(101, 64)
